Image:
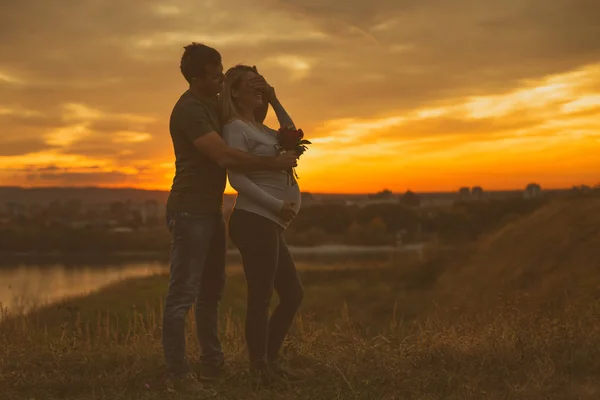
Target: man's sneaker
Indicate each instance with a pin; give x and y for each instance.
(285, 373)
(211, 373)
(185, 383)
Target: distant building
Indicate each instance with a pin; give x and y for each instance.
(464, 193)
(384, 197)
(532, 190)
(372, 202)
(436, 199)
(582, 189)
(79, 224)
(477, 192)
(16, 210)
(149, 211)
(122, 229)
(585, 188)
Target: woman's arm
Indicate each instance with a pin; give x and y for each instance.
(236, 137)
(242, 184)
(282, 116)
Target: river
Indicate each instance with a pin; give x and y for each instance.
(25, 286)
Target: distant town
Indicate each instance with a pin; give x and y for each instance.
(131, 209)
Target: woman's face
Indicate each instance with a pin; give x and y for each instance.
(245, 95)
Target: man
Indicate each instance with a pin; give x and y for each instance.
(194, 213)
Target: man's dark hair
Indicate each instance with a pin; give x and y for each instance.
(196, 58)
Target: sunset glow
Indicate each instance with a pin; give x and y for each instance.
(391, 96)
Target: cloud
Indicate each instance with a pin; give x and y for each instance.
(167, 9)
(76, 178)
(12, 146)
(130, 137)
(483, 133)
(9, 79)
(299, 67)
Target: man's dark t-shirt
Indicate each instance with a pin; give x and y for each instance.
(199, 181)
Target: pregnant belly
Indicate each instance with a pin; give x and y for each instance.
(293, 194)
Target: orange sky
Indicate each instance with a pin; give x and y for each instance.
(394, 94)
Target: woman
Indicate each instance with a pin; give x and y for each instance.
(265, 205)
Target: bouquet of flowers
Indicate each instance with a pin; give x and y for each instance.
(291, 139)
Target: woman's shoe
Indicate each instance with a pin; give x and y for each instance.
(211, 373)
(277, 369)
(262, 373)
(184, 383)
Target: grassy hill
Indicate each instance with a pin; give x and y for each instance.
(547, 259)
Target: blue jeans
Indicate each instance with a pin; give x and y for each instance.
(198, 248)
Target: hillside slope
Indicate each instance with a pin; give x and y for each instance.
(546, 259)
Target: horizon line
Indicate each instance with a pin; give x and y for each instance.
(513, 189)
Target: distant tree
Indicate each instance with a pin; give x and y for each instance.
(75, 205)
(354, 234)
(453, 225)
(376, 233)
(313, 237)
(384, 194)
(464, 193)
(532, 190)
(410, 199)
(55, 209)
(136, 220)
(118, 210)
(332, 218)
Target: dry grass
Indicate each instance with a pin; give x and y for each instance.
(480, 357)
(544, 259)
(371, 333)
(347, 353)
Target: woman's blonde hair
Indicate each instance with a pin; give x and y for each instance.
(233, 77)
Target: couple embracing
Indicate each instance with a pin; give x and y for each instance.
(216, 127)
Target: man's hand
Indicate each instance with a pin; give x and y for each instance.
(287, 212)
(259, 83)
(286, 160)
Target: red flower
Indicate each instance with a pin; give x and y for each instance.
(288, 138)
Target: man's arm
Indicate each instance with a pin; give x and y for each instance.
(196, 126)
(214, 147)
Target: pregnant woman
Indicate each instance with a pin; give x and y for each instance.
(267, 202)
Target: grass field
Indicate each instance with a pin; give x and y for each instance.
(382, 331)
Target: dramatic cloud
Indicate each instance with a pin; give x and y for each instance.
(409, 91)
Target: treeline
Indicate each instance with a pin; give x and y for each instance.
(381, 224)
(65, 239)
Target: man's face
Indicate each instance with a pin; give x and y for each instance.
(211, 82)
